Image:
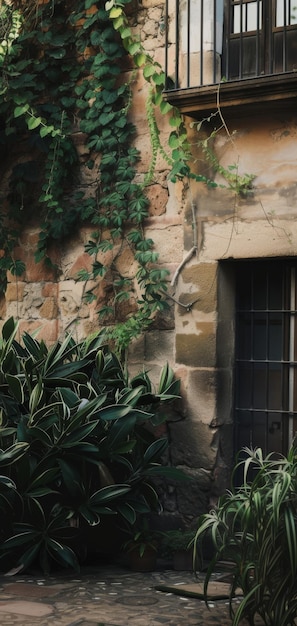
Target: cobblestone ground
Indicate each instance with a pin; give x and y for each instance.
(105, 596)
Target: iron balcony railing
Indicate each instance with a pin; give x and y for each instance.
(208, 41)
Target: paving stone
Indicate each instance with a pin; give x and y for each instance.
(33, 590)
(23, 607)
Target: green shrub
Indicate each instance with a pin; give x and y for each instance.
(254, 527)
(74, 445)
(177, 540)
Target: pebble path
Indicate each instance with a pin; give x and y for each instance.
(105, 596)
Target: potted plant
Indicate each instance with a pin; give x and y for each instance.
(254, 528)
(142, 547)
(178, 544)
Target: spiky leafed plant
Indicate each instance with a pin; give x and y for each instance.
(254, 527)
(73, 444)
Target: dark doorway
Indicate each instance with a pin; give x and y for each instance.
(265, 411)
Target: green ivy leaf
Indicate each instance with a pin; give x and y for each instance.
(114, 12)
(135, 48)
(175, 120)
(18, 268)
(21, 110)
(159, 79)
(165, 107)
(91, 248)
(90, 297)
(148, 71)
(98, 269)
(83, 275)
(33, 122)
(106, 118)
(174, 141)
(140, 59)
(126, 32)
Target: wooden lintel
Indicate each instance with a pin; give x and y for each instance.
(246, 95)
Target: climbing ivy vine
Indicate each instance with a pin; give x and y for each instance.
(61, 83)
(60, 72)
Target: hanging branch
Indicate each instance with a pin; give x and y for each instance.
(193, 249)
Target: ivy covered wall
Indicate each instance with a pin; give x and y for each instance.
(84, 172)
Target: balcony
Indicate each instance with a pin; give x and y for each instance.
(242, 52)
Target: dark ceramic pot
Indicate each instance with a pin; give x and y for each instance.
(145, 563)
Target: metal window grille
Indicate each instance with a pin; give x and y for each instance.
(266, 355)
(211, 40)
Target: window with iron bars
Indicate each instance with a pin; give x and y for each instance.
(229, 40)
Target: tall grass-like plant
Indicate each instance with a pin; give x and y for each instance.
(254, 527)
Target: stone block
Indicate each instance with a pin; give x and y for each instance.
(29, 238)
(126, 263)
(151, 44)
(138, 106)
(176, 198)
(136, 350)
(13, 310)
(201, 396)
(125, 309)
(81, 328)
(197, 350)
(14, 292)
(193, 496)
(148, 4)
(158, 198)
(48, 331)
(193, 444)
(50, 290)
(225, 461)
(159, 346)
(164, 320)
(83, 262)
(3, 307)
(70, 297)
(35, 272)
(188, 301)
(72, 251)
(29, 305)
(49, 309)
(204, 277)
(150, 28)
(189, 239)
(215, 203)
(143, 144)
(153, 369)
(257, 239)
(168, 240)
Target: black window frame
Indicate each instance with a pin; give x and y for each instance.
(265, 383)
(270, 41)
(186, 88)
(267, 49)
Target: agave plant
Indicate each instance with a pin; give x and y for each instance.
(254, 527)
(74, 442)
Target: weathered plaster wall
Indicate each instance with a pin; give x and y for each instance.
(200, 347)
(262, 224)
(196, 335)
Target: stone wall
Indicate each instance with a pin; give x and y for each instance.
(260, 225)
